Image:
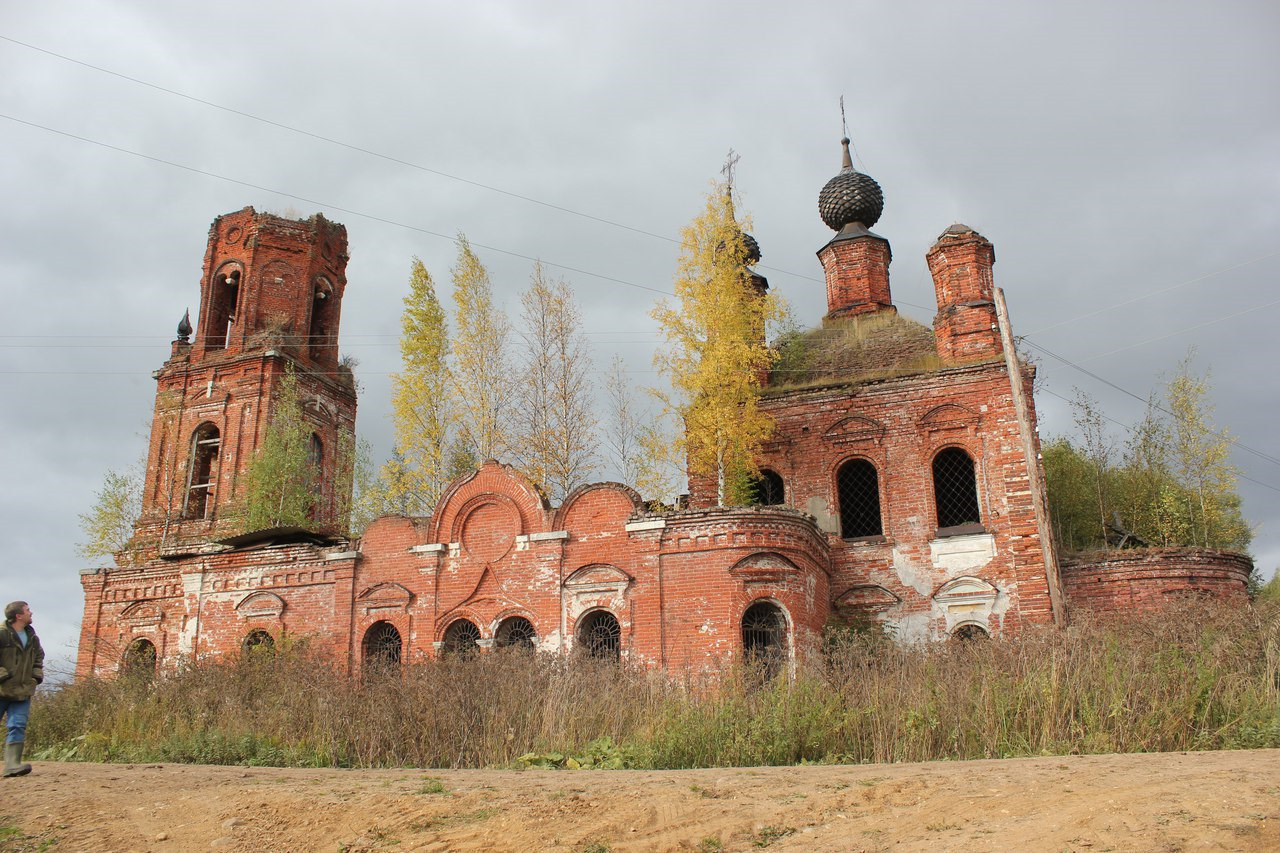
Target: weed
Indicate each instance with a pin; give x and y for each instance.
(710, 845)
(431, 785)
(769, 834)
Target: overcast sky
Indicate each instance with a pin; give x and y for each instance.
(1124, 158)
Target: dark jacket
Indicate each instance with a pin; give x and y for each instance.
(20, 669)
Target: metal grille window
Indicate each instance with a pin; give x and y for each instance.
(764, 636)
(516, 632)
(202, 475)
(461, 638)
(767, 489)
(858, 487)
(259, 640)
(955, 488)
(139, 659)
(382, 645)
(600, 635)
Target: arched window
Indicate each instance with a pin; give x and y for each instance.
(461, 638)
(202, 472)
(139, 659)
(970, 631)
(764, 636)
(323, 310)
(767, 489)
(955, 489)
(517, 633)
(858, 488)
(382, 646)
(222, 309)
(600, 636)
(258, 641)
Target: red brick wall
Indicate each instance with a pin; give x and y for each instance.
(857, 272)
(1118, 582)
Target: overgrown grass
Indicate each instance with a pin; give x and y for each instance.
(1192, 677)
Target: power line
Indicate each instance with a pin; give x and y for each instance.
(1130, 429)
(328, 206)
(371, 153)
(1234, 442)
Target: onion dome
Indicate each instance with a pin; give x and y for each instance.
(752, 249)
(850, 197)
(184, 326)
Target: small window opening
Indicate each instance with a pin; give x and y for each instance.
(516, 633)
(139, 660)
(767, 490)
(222, 309)
(323, 308)
(461, 638)
(858, 490)
(258, 641)
(600, 635)
(382, 646)
(202, 475)
(955, 489)
(764, 636)
(965, 633)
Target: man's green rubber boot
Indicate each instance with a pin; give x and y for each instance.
(13, 765)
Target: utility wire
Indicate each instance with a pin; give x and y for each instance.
(328, 206)
(370, 152)
(1235, 442)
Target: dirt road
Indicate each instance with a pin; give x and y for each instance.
(1180, 801)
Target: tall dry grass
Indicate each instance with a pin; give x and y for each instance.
(1192, 677)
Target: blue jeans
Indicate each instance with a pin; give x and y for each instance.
(17, 712)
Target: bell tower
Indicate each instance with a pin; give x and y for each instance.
(270, 304)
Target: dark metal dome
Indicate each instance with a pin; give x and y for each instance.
(753, 249)
(184, 326)
(850, 197)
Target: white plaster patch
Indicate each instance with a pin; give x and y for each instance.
(648, 524)
(919, 578)
(956, 554)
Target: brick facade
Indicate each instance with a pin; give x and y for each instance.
(902, 493)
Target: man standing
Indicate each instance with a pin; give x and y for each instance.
(21, 669)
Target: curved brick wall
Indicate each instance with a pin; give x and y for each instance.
(1142, 579)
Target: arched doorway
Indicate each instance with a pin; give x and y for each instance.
(600, 636)
(764, 636)
(382, 646)
(139, 659)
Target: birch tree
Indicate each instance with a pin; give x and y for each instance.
(716, 352)
(555, 428)
(280, 486)
(622, 427)
(108, 525)
(481, 366)
(422, 403)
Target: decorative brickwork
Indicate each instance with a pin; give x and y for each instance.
(902, 488)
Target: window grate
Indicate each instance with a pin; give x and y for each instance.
(382, 646)
(516, 632)
(858, 486)
(600, 635)
(259, 641)
(461, 638)
(955, 488)
(764, 637)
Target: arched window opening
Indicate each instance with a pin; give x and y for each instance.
(858, 490)
(258, 641)
(968, 632)
(202, 473)
(139, 660)
(323, 308)
(767, 490)
(764, 636)
(516, 633)
(461, 638)
(382, 646)
(955, 489)
(222, 309)
(600, 635)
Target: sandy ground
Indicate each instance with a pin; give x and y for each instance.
(1178, 801)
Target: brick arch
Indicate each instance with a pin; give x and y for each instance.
(765, 567)
(385, 597)
(856, 429)
(868, 598)
(463, 611)
(261, 604)
(617, 500)
(950, 416)
(492, 479)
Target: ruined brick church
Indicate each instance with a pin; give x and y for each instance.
(902, 485)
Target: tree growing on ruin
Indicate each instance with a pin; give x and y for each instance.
(422, 402)
(281, 485)
(622, 425)
(553, 422)
(716, 352)
(481, 367)
(108, 525)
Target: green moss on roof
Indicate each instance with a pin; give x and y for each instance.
(854, 349)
